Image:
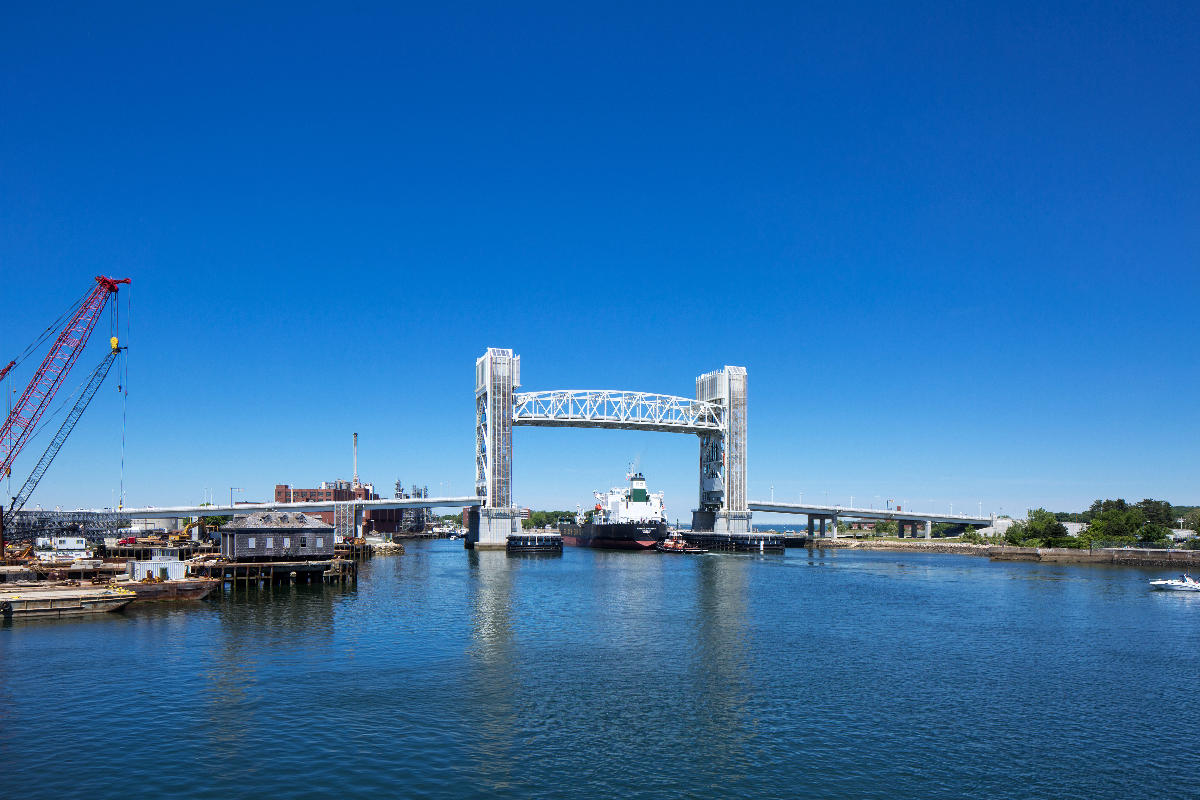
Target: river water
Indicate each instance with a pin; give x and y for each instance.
(445, 673)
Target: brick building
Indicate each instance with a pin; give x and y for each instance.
(377, 520)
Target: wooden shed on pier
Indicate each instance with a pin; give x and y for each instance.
(276, 536)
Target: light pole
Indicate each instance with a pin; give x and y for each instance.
(772, 493)
(981, 508)
(233, 489)
(852, 501)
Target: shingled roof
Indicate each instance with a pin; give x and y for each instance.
(276, 520)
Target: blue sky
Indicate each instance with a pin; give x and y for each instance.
(955, 247)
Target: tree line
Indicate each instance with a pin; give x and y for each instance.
(543, 519)
(1109, 522)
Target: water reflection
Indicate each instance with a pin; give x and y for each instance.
(257, 627)
(721, 661)
(489, 686)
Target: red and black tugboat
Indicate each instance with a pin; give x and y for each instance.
(675, 543)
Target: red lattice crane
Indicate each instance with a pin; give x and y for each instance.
(71, 341)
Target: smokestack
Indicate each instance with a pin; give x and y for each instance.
(356, 461)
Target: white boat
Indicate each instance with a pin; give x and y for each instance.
(1184, 583)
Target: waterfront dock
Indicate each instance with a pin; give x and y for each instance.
(267, 573)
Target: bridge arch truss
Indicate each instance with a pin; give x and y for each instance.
(604, 408)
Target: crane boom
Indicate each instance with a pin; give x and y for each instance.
(85, 397)
(63, 354)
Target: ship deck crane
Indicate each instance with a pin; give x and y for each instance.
(21, 422)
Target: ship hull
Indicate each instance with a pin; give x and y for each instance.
(614, 535)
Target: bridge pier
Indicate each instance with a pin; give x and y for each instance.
(833, 526)
(928, 529)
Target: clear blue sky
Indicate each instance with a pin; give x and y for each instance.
(955, 246)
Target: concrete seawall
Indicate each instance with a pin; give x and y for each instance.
(1133, 557)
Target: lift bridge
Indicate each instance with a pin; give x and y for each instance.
(717, 415)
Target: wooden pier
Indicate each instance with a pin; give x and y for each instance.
(269, 573)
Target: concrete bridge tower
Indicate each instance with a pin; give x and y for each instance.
(723, 506)
(497, 375)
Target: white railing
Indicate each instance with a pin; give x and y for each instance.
(602, 408)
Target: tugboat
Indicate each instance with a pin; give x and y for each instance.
(625, 518)
(675, 543)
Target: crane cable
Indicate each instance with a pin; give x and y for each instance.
(123, 386)
(51, 330)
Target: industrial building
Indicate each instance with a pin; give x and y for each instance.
(376, 520)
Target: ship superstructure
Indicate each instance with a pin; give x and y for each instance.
(632, 503)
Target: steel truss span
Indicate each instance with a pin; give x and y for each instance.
(602, 408)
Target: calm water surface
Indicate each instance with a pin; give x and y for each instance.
(454, 674)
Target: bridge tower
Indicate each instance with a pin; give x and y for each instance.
(723, 506)
(497, 375)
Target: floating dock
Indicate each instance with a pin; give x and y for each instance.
(736, 542)
(535, 543)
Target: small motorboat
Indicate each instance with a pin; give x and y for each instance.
(675, 543)
(1184, 583)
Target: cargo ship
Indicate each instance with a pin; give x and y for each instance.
(625, 518)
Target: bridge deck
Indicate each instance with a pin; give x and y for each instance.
(865, 513)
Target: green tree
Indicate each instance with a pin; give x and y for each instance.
(542, 519)
(1153, 533)
(1101, 506)
(1117, 525)
(1041, 528)
(886, 527)
(1157, 512)
(1042, 525)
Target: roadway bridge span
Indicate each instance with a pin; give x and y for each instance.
(348, 513)
(821, 514)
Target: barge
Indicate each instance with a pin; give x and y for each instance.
(66, 601)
